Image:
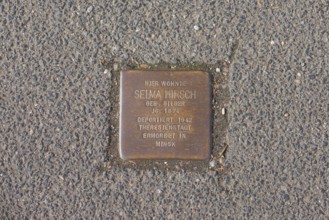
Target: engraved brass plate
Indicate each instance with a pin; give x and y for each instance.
(165, 115)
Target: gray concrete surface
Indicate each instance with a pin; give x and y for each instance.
(55, 108)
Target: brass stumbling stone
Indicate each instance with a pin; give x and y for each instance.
(165, 114)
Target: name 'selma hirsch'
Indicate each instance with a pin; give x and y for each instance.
(165, 94)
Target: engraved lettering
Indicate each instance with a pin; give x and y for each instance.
(151, 127)
(182, 136)
(180, 94)
(165, 144)
(155, 111)
(171, 110)
(151, 83)
(174, 103)
(158, 135)
(173, 83)
(151, 103)
(154, 119)
(147, 94)
(184, 120)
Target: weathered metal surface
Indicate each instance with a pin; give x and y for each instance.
(165, 115)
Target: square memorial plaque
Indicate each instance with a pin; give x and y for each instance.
(165, 115)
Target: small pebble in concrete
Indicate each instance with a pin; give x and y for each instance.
(89, 9)
(223, 111)
(196, 27)
(115, 67)
(217, 70)
(144, 66)
(212, 163)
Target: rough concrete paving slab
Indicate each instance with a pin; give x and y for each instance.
(55, 108)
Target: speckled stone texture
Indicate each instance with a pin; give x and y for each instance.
(55, 106)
